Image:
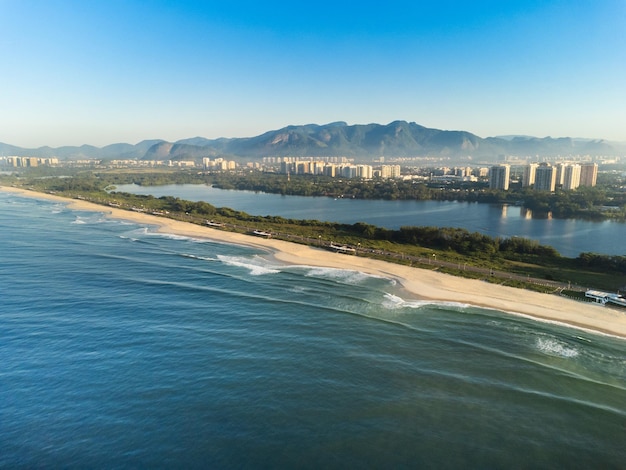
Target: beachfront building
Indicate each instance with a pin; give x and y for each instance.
(499, 176)
(545, 177)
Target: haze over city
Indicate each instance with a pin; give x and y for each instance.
(124, 71)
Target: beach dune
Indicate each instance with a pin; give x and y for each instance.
(422, 284)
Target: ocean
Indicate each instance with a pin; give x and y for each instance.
(121, 347)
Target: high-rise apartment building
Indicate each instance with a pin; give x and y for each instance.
(588, 174)
(390, 171)
(545, 177)
(364, 171)
(528, 178)
(560, 174)
(499, 176)
(571, 178)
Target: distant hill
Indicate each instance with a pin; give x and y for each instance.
(364, 141)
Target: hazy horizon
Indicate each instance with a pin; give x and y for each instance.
(504, 137)
(127, 71)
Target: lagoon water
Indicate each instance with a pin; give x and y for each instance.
(121, 347)
(569, 236)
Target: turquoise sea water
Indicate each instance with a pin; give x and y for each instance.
(121, 347)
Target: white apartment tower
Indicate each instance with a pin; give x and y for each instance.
(364, 171)
(571, 179)
(390, 171)
(499, 176)
(528, 178)
(560, 174)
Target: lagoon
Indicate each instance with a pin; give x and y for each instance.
(569, 236)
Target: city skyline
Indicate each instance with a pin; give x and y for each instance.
(107, 72)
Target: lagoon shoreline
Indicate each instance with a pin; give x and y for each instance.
(422, 284)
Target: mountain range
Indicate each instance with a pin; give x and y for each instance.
(362, 141)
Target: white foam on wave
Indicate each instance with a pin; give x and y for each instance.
(169, 236)
(96, 218)
(343, 275)
(202, 258)
(257, 266)
(187, 238)
(555, 347)
(393, 302)
(134, 235)
(298, 289)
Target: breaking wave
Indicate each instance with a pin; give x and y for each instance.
(342, 275)
(256, 266)
(393, 302)
(554, 347)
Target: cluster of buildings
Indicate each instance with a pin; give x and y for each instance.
(456, 174)
(279, 160)
(218, 164)
(23, 162)
(149, 163)
(344, 170)
(545, 176)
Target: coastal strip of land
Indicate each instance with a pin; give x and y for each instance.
(423, 284)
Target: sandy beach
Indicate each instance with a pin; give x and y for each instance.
(420, 283)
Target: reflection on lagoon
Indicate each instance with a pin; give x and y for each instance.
(526, 213)
(569, 236)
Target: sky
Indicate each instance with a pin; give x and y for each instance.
(106, 71)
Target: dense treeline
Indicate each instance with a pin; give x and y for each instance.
(458, 240)
(387, 189)
(602, 262)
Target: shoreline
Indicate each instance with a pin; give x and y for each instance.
(422, 284)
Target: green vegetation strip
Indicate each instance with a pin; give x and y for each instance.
(517, 262)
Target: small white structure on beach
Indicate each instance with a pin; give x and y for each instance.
(603, 298)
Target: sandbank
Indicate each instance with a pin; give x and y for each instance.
(424, 284)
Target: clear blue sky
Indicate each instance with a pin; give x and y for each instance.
(107, 71)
